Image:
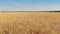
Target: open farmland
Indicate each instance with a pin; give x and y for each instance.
(29, 22)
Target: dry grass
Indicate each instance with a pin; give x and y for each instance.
(29, 23)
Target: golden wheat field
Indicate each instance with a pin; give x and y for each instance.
(29, 23)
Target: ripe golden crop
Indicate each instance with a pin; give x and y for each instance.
(29, 23)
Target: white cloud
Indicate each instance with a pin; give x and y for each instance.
(29, 8)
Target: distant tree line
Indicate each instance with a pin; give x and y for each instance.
(29, 11)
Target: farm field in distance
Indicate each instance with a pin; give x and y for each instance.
(29, 22)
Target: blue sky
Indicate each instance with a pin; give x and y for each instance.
(29, 5)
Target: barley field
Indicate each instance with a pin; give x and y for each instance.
(29, 22)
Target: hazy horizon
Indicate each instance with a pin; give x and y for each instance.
(29, 5)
